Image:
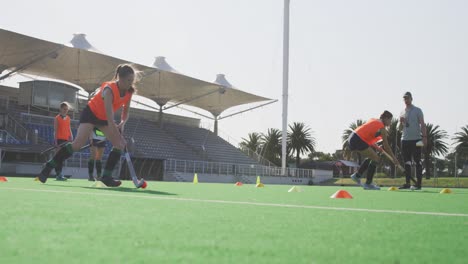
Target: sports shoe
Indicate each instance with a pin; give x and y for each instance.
(371, 186)
(44, 173)
(404, 186)
(110, 182)
(415, 188)
(355, 177)
(91, 178)
(60, 178)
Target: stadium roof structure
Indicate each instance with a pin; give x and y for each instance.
(80, 63)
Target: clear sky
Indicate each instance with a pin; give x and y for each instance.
(348, 59)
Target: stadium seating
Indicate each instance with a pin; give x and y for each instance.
(210, 146)
(151, 141)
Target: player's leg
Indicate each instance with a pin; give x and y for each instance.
(406, 153)
(84, 129)
(91, 163)
(114, 157)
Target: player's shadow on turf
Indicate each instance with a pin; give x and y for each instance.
(117, 189)
(130, 190)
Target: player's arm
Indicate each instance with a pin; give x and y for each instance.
(386, 146)
(125, 114)
(55, 130)
(71, 134)
(423, 129)
(108, 99)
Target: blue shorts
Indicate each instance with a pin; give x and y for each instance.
(356, 143)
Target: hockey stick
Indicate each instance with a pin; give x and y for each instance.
(54, 147)
(138, 183)
(399, 166)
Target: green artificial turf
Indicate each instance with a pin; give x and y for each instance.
(71, 222)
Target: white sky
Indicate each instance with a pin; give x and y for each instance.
(349, 59)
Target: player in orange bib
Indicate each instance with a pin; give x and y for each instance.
(363, 139)
(63, 133)
(99, 113)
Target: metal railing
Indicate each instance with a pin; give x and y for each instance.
(16, 128)
(218, 168)
(249, 152)
(6, 138)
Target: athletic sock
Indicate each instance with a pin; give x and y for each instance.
(363, 167)
(99, 168)
(407, 173)
(112, 160)
(370, 172)
(64, 153)
(90, 167)
(418, 174)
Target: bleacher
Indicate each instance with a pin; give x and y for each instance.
(171, 141)
(210, 146)
(153, 142)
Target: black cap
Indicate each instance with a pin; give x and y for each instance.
(407, 94)
(386, 114)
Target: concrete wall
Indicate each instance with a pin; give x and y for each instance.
(34, 169)
(82, 173)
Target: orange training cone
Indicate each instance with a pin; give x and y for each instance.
(342, 194)
(3, 179)
(239, 184)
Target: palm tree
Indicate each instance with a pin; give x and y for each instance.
(252, 143)
(300, 140)
(461, 141)
(461, 149)
(271, 146)
(346, 133)
(435, 146)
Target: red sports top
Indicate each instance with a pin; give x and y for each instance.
(96, 104)
(63, 127)
(368, 131)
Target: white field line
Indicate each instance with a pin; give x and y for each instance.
(246, 203)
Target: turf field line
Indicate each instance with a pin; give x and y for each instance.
(248, 203)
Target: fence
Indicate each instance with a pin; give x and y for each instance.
(186, 166)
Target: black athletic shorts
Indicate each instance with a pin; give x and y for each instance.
(87, 116)
(356, 143)
(60, 141)
(98, 143)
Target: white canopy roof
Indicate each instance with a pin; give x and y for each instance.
(227, 97)
(80, 63)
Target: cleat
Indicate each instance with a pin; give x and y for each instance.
(404, 186)
(91, 179)
(415, 188)
(355, 177)
(110, 182)
(60, 178)
(371, 186)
